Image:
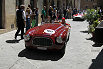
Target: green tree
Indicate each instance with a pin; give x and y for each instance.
(92, 15)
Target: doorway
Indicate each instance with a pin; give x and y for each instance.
(19, 2)
(0, 14)
(32, 4)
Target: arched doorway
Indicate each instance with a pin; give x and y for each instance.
(19, 2)
(0, 14)
(32, 4)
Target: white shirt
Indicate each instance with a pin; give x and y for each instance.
(24, 15)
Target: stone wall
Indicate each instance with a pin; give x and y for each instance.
(88, 3)
(40, 7)
(10, 14)
(26, 2)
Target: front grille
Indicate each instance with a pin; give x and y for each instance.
(42, 41)
(77, 17)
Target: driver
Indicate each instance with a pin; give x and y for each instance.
(63, 22)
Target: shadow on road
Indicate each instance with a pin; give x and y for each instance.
(40, 55)
(13, 41)
(91, 38)
(84, 31)
(98, 62)
(97, 45)
(79, 20)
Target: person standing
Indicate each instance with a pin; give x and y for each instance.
(33, 17)
(50, 13)
(64, 12)
(17, 8)
(21, 19)
(69, 13)
(54, 14)
(28, 24)
(30, 8)
(43, 16)
(37, 13)
(30, 12)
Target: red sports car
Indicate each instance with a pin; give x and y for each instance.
(79, 16)
(48, 37)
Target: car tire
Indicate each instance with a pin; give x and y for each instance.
(28, 48)
(83, 19)
(68, 37)
(62, 51)
(73, 19)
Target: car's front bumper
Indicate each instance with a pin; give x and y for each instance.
(52, 47)
(78, 18)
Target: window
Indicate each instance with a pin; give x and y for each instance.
(86, 0)
(86, 7)
(0, 14)
(92, 0)
(32, 4)
(19, 2)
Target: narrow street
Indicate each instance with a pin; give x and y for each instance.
(80, 53)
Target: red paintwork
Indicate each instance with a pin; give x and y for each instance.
(78, 14)
(39, 31)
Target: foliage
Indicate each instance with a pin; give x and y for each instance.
(93, 26)
(95, 23)
(92, 15)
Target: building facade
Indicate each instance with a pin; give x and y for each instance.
(8, 14)
(8, 10)
(100, 3)
(84, 4)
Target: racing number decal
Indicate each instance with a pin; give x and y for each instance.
(49, 31)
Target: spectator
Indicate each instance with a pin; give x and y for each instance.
(50, 13)
(36, 13)
(74, 11)
(30, 8)
(60, 13)
(43, 16)
(69, 12)
(21, 18)
(28, 14)
(64, 12)
(54, 14)
(17, 8)
(33, 18)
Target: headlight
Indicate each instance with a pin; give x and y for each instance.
(73, 17)
(27, 37)
(81, 17)
(59, 40)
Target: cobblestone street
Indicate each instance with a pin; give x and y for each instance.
(80, 53)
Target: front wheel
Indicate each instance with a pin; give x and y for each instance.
(62, 51)
(27, 47)
(68, 37)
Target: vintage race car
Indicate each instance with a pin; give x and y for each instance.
(79, 16)
(48, 37)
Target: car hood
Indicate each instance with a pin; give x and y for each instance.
(46, 29)
(78, 15)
